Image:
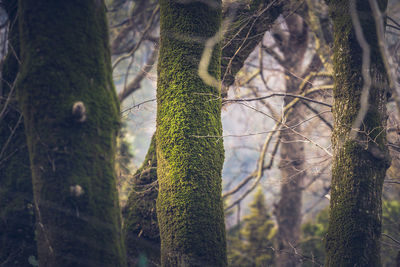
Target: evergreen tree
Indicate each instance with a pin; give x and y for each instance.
(312, 239)
(314, 235)
(391, 228)
(251, 244)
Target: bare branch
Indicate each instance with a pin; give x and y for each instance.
(365, 70)
(277, 94)
(135, 84)
(148, 27)
(327, 123)
(387, 59)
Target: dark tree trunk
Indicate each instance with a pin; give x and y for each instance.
(360, 163)
(17, 219)
(71, 117)
(142, 236)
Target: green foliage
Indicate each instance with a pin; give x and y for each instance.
(314, 233)
(312, 236)
(251, 244)
(390, 227)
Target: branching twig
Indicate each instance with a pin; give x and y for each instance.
(277, 94)
(148, 27)
(135, 84)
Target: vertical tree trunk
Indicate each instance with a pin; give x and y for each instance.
(189, 205)
(71, 118)
(359, 164)
(288, 210)
(17, 219)
(142, 236)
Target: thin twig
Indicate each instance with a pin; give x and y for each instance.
(148, 27)
(277, 94)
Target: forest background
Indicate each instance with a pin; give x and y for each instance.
(277, 169)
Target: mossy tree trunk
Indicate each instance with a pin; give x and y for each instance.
(71, 118)
(359, 164)
(142, 236)
(140, 228)
(189, 204)
(17, 219)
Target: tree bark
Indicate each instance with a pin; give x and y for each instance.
(71, 117)
(288, 209)
(189, 204)
(360, 163)
(17, 219)
(142, 236)
(251, 22)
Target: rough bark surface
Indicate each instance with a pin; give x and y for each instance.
(359, 164)
(71, 117)
(142, 236)
(17, 219)
(247, 30)
(189, 205)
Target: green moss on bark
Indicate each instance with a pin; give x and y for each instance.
(66, 59)
(189, 205)
(17, 220)
(142, 236)
(357, 173)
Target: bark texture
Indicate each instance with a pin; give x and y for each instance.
(359, 164)
(17, 219)
(189, 205)
(248, 28)
(288, 209)
(142, 236)
(71, 118)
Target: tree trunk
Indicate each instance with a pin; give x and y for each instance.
(236, 47)
(17, 219)
(360, 163)
(71, 117)
(142, 236)
(189, 204)
(288, 209)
